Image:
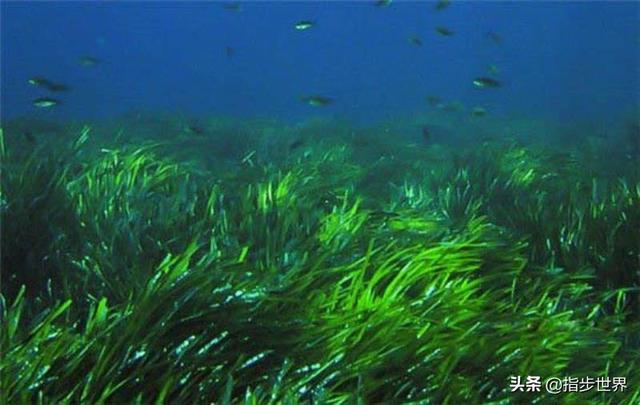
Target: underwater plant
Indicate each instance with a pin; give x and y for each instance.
(342, 270)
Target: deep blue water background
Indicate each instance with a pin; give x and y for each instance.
(561, 61)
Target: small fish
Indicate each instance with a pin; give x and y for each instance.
(194, 130)
(478, 112)
(304, 25)
(486, 82)
(55, 87)
(426, 134)
(493, 69)
(28, 135)
(229, 51)
(382, 3)
(296, 144)
(442, 4)
(434, 101)
(316, 101)
(415, 40)
(445, 32)
(88, 61)
(38, 81)
(233, 6)
(47, 84)
(494, 37)
(45, 102)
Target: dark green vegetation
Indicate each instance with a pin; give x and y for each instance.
(257, 263)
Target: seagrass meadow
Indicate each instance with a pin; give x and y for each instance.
(145, 260)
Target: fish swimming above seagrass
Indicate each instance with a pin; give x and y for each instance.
(434, 101)
(304, 25)
(316, 101)
(494, 37)
(415, 40)
(39, 81)
(232, 6)
(442, 4)
(45, 102)
(382, 3)
(486, 82)
(89, 61)
(444, 31)
(478, 112)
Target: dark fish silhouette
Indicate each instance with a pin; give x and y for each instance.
(316, 101)
(89, 61)
(195, 130)
(55, 87)
(382, 3)
(434, 101)
(28, 135)
(296, 144)
(37, 81)
(229, 51)
(486, 82)
(233, 6)
(426, 134)
(415, 40)
(442, 4)
(478, 112)
(494, 37)
(445, 32)
(47, 84)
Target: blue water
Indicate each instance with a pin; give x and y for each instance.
(557, 60)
